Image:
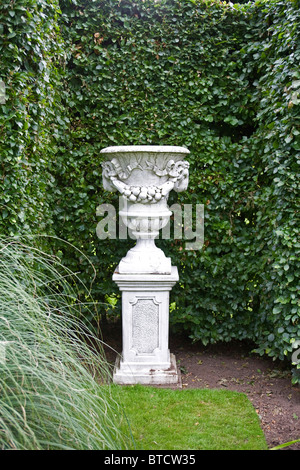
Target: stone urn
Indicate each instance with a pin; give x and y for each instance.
(144, 176)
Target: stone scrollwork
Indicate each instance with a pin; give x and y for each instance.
(179, 174)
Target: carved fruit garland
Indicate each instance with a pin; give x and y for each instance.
(176, 171)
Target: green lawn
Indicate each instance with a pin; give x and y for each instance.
(164, 419)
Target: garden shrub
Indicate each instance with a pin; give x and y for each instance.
(55, 392)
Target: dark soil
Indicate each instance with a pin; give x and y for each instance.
(233, 366)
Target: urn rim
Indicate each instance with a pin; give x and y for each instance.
(146, 149)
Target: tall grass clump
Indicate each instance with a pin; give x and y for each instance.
(55, 388)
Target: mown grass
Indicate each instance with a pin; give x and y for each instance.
(194, 419)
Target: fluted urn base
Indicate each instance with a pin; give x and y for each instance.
(145, 258)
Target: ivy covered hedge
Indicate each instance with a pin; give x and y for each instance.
(278, 143)
(220, 79)
(29, 45)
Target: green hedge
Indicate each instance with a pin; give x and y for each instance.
(222, 80)
(29, 42)
(278, 143)
(163, 73)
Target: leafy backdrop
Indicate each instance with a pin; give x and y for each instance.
(221, 79)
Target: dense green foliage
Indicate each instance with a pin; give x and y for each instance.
(277, 142)
(220, 79)
(28, 46)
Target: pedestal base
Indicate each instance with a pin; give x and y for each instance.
(146, 358)
(126, 374)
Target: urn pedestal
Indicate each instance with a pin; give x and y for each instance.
(144, 176)
(146, 357)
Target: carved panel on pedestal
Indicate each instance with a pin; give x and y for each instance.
(145, 325)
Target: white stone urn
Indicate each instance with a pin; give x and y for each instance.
(144, 176)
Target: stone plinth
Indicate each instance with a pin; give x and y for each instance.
(146, 358)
